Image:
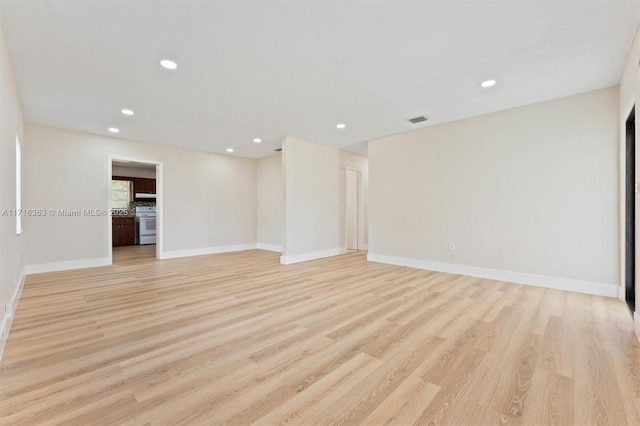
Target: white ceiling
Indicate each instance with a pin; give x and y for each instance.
(268, 68)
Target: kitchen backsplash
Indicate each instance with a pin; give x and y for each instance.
(133, 204)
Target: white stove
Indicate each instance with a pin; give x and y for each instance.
(146, 225)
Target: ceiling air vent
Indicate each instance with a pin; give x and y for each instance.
(416, 120)
(278, 150)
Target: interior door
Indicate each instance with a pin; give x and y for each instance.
(352, 210)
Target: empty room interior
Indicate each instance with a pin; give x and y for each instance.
(356, 212)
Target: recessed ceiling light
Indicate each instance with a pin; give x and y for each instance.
(229, 149)
(168, 64)
(114, 130)
(341, 126)
(127, 112)
(257, 140)
(487, 83)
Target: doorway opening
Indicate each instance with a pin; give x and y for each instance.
(352, 206)
(135, 203)
(630, 212)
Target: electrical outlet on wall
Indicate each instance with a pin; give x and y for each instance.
(452, 246)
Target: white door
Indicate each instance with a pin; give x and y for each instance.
(352, 210)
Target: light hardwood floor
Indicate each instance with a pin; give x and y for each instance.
(238, 338)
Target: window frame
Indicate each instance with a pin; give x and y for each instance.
(119, 178)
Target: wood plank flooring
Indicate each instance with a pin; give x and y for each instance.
(237, 338)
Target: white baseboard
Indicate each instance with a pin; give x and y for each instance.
(68, 265)
(269, 247)
(7, 317)
(104, 261)
(208, 250)
(288, 260)
(636, 321)
(622, 295)
(588, 287)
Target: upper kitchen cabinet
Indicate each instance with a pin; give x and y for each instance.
(144, 186)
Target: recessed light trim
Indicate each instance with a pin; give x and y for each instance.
(257, 140)
(340, 126)
(126, 111)
(168, 64)
(114, 130)
(488, 83)
(229, 149)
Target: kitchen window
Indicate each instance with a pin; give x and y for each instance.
(121, 192)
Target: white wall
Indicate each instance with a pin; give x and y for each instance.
(628, 96)
(531, 190)
(315, 193)
(209, 199)
(312, 200)
(12, 257)
(132, 171)
(270, 203)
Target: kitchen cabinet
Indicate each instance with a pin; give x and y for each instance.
(144, 186)
(123, 231)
